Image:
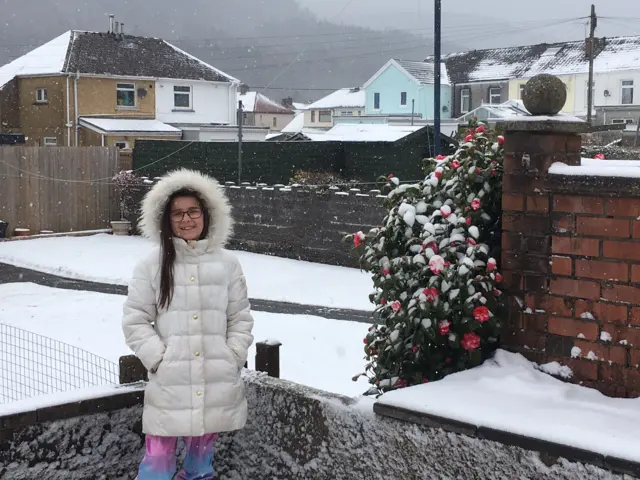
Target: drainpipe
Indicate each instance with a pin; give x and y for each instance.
(102, 139)
(75, 92)
(68, 114)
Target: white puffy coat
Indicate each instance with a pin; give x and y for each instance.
(194, 350)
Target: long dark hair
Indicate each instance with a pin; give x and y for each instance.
(168, 249)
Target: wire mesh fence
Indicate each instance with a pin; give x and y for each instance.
(32, 365)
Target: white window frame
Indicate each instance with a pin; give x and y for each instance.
(126, 87)
(624, 87)
(313, 116)
(465, 95)
(403, 99)
(124, 143)
(493, 94)
(50, 141)
(183, 93)
(41, 95)
(376, 100)
(325, 112)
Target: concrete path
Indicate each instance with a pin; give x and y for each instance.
(11, 274)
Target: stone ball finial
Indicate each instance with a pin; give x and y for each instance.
(544, 94)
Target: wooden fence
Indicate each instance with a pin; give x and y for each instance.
(62, 189)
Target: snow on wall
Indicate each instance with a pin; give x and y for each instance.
(293, 433)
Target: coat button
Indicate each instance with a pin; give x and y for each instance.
(192, 278)
(195, 317)
(197, 354)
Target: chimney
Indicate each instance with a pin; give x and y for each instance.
(122, 28)
(287, 102)
(117, 30)
(244, 89)
(111, 20)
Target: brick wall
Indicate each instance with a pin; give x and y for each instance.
(297, 223)
(571, 255)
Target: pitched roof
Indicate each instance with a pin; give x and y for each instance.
(255, 102)
(423, 72)
(343, 98)
(563, 58)
(111, 55)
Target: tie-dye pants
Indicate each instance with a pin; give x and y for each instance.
(159, 462)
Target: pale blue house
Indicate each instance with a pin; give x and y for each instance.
(403, 86)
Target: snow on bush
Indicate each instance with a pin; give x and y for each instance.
(433, 262)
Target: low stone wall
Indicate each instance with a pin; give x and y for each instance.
(293, 433)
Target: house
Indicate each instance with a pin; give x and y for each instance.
(493, 76)
(109, 88)
(260, 111)
(347, 102)
(406, 88)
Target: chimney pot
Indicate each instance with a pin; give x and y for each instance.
(117, 30)
(111, 20)
(122, 28)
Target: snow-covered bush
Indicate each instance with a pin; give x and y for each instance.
(433, 261)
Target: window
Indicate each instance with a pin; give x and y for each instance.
(313, 116)
(403, 99)
(275, 122)
(627, 92)
(347, 114)
(359, 112)
(521, 93)
(41, 95)
(325, 116)
(50, 141)
(586, 93)
(182, 97)
(494, 95)
(126, 95)
(122, 145)
(622, 121)
(376, 101)
(465, 100)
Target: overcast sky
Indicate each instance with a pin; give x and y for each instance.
(492, 22)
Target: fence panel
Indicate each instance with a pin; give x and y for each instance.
(32, 365)
(57, 188)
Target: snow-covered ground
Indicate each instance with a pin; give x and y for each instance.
(110, 259)
(509, 394)
(317, 352)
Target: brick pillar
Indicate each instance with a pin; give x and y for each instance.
(530, 149)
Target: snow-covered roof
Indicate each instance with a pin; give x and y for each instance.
(300, 106)
(255, 102)
(46, 59)
(420, 72)
(563, 58)
(128, 125)
(343, 98)
(364, 132)
(296, 125)
(508, 109)
(111, 55)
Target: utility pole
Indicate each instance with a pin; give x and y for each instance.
(436, 75)
(413, 110)
(593, 23)
(240, 122)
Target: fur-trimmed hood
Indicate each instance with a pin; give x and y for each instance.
(154, 202)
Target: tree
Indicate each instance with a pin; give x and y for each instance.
(437, 287)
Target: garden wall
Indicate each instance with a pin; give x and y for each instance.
(571, 257)
(297, 223)
(293, 433)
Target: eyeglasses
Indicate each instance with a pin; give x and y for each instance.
(193, 213)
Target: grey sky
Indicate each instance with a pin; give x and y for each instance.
(487, 23)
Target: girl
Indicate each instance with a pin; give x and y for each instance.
(187, 318)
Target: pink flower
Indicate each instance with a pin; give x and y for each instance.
(401, 383)
(396, 306)
(358, 239)
(390, 176)
(436, 264)
(364, 340)
(440, 157)
(599, 156)
(498, 278)
(383, 301)
(455, 164)
(437, 174)
(468, 138)
(500, 140)
(475, 204)
(467, 221)
(481, 314)
(415, 348)
(444, 327)
(445, 210)
(431, 294)
(471, 241)
(470, 341)
(480, 129)
(385, 272)
(478, 170)
(493, 172)
(491, 264)
(425, 380)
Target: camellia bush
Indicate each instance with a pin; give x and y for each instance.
(437, 297)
